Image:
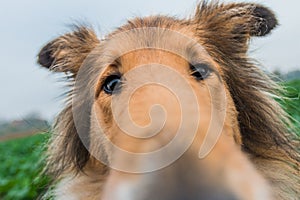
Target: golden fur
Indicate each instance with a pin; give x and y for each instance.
(256, 126)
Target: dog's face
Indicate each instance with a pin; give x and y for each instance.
(156, 90)
(144, 100)
(144, 94)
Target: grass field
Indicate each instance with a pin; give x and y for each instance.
(20, 159)
(20, 166)
(292, 103)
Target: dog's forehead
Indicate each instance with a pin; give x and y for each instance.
(149, 57)
(160, 40)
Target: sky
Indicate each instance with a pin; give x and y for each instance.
(27, 25)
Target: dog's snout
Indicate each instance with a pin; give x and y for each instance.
(151, 110)
(184, 179)
(154, 102)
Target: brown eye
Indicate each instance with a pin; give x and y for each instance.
(111, 84)
(200, 71)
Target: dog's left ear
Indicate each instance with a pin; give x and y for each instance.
(234, 23)
(67, 52)
(262, 21)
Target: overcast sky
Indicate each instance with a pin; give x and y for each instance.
(27, 25)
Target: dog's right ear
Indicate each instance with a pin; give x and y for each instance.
(67, 53)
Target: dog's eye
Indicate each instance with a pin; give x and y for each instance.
(200, 71)
(111, 84)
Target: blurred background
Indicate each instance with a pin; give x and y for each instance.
(31, 96)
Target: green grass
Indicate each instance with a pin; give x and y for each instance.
(20, 163)
(291, 103)
(20, 166)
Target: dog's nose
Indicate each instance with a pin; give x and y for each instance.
(183, 180)
(225, 174)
